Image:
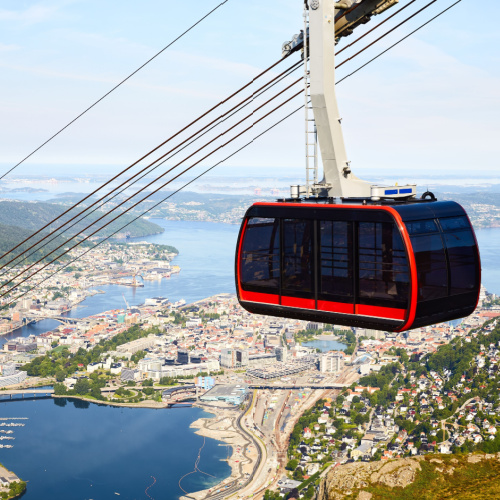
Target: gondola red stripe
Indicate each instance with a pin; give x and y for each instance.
(338, 307)
(265, 298)
(380, 312)
(296, 302)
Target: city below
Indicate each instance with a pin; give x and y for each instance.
(292, 399)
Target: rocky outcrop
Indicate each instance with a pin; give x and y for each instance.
(353, 480)
(346, 479)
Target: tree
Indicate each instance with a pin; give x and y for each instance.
(292, 464)
(95, 392)
(60, 376)
(60, 389)
(82, 386)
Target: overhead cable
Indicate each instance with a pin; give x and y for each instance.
(154, 206)
(375, 27)
(399, 41)
(387, 33)
(152, 167)
(147, 195)
(142, 158)
(347, 76)
(115, 87)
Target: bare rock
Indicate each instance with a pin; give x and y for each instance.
(364, 495)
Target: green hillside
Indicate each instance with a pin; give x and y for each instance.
(34, 215)
(10, 236)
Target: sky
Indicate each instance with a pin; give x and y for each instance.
(430, 105)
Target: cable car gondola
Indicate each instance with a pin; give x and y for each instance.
(386, 267)
(379, 258)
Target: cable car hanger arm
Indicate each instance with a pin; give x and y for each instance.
(327, 22)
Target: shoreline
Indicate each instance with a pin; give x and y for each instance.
(227, 434)
(222, 426)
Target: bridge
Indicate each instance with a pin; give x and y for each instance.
(62, 319)
(26, 394)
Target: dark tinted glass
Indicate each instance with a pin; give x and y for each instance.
(452, 223)
(462, 254)
(336, 277)
(383, 267)
(431, 266)
(422, 226)
(260, 266)
(297, 256)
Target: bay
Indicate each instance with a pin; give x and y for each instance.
(206, 259)
(488, 240)
(73, 450)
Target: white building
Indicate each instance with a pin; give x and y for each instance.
(332, 361)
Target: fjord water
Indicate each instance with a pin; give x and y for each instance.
(206, 258)
(73, 450)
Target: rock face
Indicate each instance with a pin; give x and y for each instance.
(346, 479)
(458, 477)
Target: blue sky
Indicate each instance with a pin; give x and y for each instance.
(431, 104)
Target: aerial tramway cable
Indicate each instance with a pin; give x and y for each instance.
(387, 33)
(399, 41)
(115, 87)
(154, 206)
(291, 69)
(18, 284)
(148, 194)
(224, 101)
(374, 28)
(223, 118)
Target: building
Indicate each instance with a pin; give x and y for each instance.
(263, 359)
(10, 375)
(204, 382)
(227, 358)
(332, 362)
(242, 358)
(137, 345)
(281, 354)
(182, 356)
(129, 374)
(232, 394)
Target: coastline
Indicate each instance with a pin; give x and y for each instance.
(222, 426)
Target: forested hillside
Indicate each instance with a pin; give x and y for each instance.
(34, 215)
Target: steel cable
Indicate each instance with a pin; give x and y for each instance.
(387, 33)
(154, 206)
(126, 184)
(140, 159)
(147, 196)
(115, 87)
(399, 41)
(256, 95)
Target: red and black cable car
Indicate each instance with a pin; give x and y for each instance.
(386, 267)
